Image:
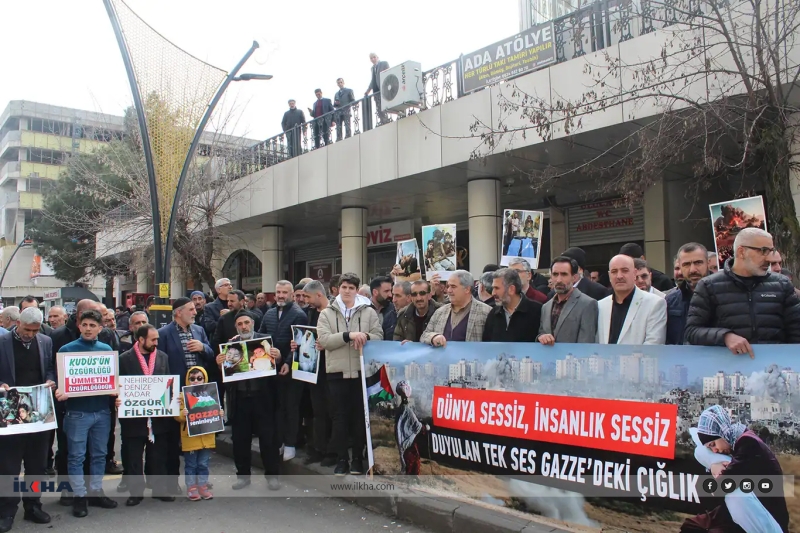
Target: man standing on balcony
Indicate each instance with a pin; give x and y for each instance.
(292, 118)
(344, 97)
(321, 107)
(375, 85)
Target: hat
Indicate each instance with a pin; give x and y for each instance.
(242, 313)
(180, 302)
(490, 268)
(578, 255)
(631, 250)
(299, 286)
(198, 293)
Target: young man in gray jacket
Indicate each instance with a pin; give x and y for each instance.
(343, 329)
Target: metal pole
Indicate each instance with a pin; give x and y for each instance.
(190, 154)
(8, 264)
(148, 155)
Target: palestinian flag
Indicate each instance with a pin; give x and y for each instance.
(379, 389)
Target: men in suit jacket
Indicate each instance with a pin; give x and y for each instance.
(463, 319)
(630, 315)
(570, 316)
(585, 285)
(341, 101)
(378, 66)
(26, 358)
(321, 107)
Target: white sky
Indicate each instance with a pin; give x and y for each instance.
(63, 52)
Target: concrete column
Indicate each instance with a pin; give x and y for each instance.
(271, 257)
(656, 228)
(143, 284)
(483, 210)
(20, 231)
(794, 176)
(558, 233)
(354, 241)
(177, 287)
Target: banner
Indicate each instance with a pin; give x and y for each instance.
(202, 402)
(729, 218)
(439, 250)
(26, 410)
(149, 396)
(87, 373)
(407, 265)
(522, 236)
(517, 55)
(579, 417)
(247, 360)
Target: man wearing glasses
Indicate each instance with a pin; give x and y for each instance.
(745, 303)
(413, 321)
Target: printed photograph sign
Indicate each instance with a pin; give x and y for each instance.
(439, 250)
(247, 360)
(729, 218)
(522, 236)
(88, 373)
(149, 396)
(202, 402)
(306, 358)
(407, 265)
(26, 410)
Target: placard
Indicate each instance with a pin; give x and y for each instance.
(306, 358)
(439, 250)
(26, 410)
(247, 360)
(87, 373)
(729, 218)
(522, 236)
(205, 411)
(149, 396)
(407, 263)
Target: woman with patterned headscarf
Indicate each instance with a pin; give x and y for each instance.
(745, 456)
(406, 428)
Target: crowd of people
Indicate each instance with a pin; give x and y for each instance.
(751, 300)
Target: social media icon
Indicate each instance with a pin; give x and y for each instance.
(765, 485)
(746, 486)
(710, 485)
(728, 486)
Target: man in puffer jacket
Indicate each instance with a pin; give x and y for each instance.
(745, 303)
(343, 329)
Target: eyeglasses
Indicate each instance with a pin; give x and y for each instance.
(415, 294)
(764, 250)
(198, 378)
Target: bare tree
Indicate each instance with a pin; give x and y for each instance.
(719, 98)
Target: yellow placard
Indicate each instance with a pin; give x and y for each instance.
(163, 290)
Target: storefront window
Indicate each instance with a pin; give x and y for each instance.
(380, 263)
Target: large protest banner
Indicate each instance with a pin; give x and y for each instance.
(599, 420)
(149, 396)
(87, 373)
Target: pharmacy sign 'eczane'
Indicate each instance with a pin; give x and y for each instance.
(522, 53)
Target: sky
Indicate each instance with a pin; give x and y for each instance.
(63, 52)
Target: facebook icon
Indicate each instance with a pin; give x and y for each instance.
(709, 485)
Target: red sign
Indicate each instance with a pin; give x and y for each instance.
(390, 233)
(640, 428)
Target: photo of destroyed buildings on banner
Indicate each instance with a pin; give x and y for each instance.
(513, 410)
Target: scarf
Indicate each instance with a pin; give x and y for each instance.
(148, 371)
(27, 344)
(715, 422)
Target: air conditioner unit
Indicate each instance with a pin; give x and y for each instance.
(401, 87)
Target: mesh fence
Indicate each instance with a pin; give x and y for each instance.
(176, 88)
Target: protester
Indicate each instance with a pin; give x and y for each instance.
(570, 316)
(381, 294)
(333, 287)
(415, 318)
(199, 301)
(524, 269)
(694, 262)
(226, 326)
(146, 437)
(745, 304)
(713, 263)
(775, 262)
(485, 288)
(31, 301)
(401, 295)
(343, 329)
(365, 292)
(677, 270)
(341, 101)
(26, 359)
(644, 278)
(585, 285)
(463, 319)
(594, 275)
(660, 280)
(298, 296)
(87, 423)
(122, 318)
(375, 85)
(322, 108)
(261, 303)
(219, 307)
(514, 318)
(252, 305)
(9, 317)
(278, 324)
(630, 315)
(291, 119)
(57, 317)
(196, 450)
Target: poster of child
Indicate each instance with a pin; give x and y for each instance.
(247, 360)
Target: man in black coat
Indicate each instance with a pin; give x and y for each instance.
(585, 285)
(341, 101)
(321, 108)
(217, 308)
(278, 324)
(745, 303)
(145, 359)
(291, 119)
(660, 280)
(226, 327)
(515, 318)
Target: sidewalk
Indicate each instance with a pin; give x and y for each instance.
(435, 513)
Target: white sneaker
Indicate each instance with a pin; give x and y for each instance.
(288, 453)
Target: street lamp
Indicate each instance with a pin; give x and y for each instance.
(248, 77)
(25, 242)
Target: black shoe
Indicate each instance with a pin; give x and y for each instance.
(356, 466)
(112, 468)
(241, 483)
(133, 501)
(342, 468)
(329, 460)
(6, 524)
(123, 486)
(36, 515)
(66, 499)
(50, 471)
(165, 498)
(101, 500)
(80, 507)
(313, 457)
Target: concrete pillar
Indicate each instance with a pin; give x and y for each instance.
(558, 233)
(271, 257)
(656, 228)
(177, 284)
(483, 210)
(143, 284)
(20, 231)
(794, 176)
(354, 241)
